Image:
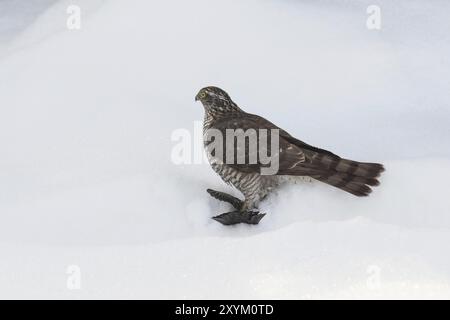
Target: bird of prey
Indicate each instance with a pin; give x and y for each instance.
(295, 159)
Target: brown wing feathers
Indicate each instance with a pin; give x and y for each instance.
(351, 176)
(300, 159)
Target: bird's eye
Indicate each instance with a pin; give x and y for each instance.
(202, 95)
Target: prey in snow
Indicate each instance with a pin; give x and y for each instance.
(255, 156)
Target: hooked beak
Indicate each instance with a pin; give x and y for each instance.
(196, 98)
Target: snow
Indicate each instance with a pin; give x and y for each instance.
(86, 120)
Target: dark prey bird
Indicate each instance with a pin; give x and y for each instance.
(295, 159)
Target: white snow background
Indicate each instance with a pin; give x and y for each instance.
(86, 176)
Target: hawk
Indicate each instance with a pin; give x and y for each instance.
(295, 159)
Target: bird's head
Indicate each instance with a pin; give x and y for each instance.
(212, 94)
(216, 100)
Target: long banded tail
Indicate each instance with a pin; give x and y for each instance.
(354, 177)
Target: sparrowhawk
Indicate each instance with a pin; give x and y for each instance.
(294, 159)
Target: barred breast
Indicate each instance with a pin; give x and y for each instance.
(253, 186)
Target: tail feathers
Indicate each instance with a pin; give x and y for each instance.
(356, 179)
(360, 169)
(357, 189)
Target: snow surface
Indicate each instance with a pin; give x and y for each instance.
(86, 176)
